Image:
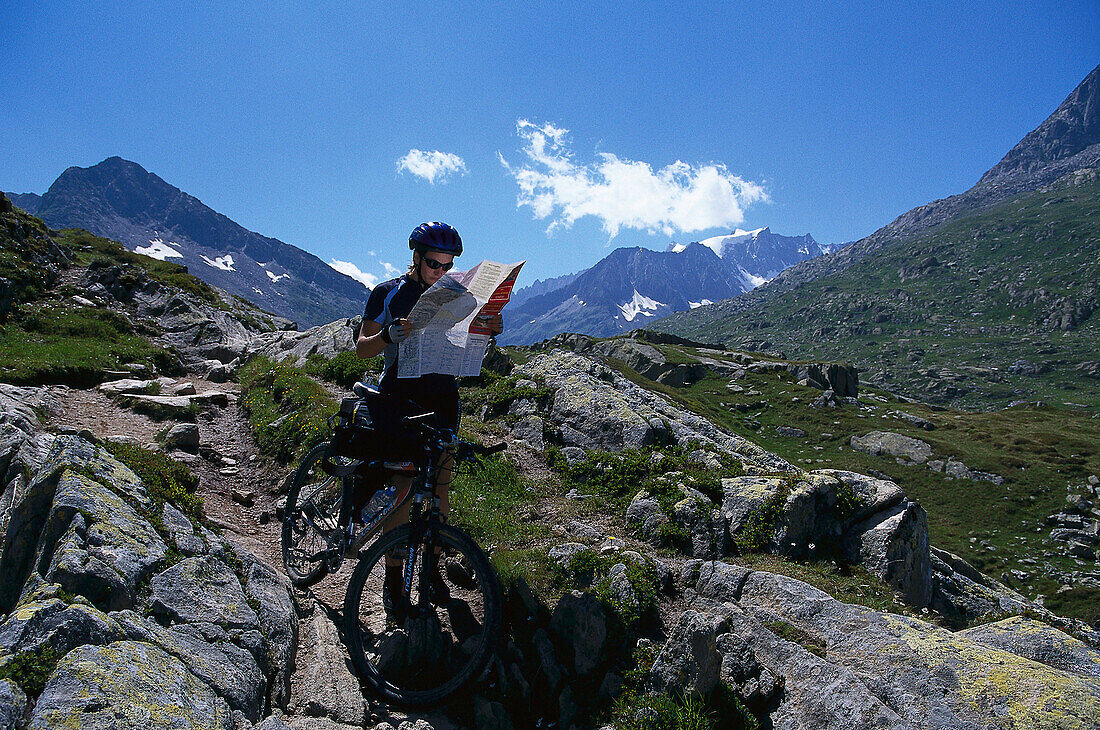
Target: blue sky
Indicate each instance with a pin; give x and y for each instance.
(552, 132)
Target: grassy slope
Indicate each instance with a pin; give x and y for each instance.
(1039, 452)
(45, 337)
(953, 330)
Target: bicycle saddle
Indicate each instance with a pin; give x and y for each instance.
(364, 390)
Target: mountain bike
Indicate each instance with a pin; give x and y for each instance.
(418, 640)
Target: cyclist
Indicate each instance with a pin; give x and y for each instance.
(435, 246)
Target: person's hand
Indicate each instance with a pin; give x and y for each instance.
(396, 331)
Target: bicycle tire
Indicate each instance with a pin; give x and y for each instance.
(439, 646)
(311, 514)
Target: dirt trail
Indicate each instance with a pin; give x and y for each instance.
(241, 489)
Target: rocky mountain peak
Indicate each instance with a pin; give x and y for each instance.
(121, 200)
(1072, 128)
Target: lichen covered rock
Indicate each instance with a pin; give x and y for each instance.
(127, 684)
(200, 590)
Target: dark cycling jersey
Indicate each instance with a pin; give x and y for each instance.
(391, 300)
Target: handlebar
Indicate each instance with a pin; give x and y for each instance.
(465, 448)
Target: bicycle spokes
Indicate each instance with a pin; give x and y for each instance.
(441, 632)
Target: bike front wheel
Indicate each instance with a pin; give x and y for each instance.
(422, 643)
(311, 517)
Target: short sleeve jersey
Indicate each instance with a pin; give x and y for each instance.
(392, 300)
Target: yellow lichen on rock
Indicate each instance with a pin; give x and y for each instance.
(1006, 690)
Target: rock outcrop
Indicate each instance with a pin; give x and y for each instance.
(594, 407)
(93, 583)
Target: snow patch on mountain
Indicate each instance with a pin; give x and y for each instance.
(275, 279)
(160, 250)
(696, 305)
(225, 263)
(639, 304)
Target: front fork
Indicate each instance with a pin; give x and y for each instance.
(422, 536)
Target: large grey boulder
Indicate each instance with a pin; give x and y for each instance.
(202, 589)
(101, 547)
(745, 498)
(24, 446)
(323, 685)
(816, 693)
(872, 494)
(57, 626)
(600, 409)
(689, 662)
(644, 515)
(124, 685)
(702, 522)
(580, 624)
(720, 581)
(181, 533)
(270, 594)
(893, 545)
(328, 340)
(75, 530)
(196, 330)
(1039, 642)
(961, 592)
(230, 670)
(927, 675)
(13, 705)
(888, 443)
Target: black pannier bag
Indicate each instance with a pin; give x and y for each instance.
(371, 429)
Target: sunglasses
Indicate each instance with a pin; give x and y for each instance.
(433, 264)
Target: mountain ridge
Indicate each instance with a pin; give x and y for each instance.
(624, 289)
(119, 199)
(993, 280)
(1024, 168)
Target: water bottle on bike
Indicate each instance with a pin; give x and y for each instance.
(378, 507)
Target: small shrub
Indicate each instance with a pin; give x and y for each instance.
(165, 479)
(287, 411)
(31, 669)
(346, 369)
(674, 536)
(757, 532)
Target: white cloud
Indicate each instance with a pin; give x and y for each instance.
(431, 165)
(391, 270)
(346, 267)
(625, 193)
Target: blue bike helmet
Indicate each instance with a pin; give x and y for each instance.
(435, 236)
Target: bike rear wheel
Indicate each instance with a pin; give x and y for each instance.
(311, 517)
(428, 648)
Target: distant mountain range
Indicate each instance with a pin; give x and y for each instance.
(983, 298)
(632, 286)
(120, 200)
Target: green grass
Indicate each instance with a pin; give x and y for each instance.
(953, 332)
(51, 342)
(615, 478)
(287, 410)
(345, 370)
(486, 500)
